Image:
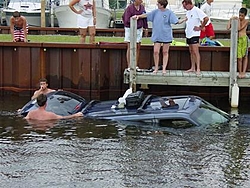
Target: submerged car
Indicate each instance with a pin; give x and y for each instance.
(60, 102)
(178, 111)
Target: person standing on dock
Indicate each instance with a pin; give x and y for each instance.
(242, 48)
(135, 8)
(162, 33)
(208, 30)
(18, 27)
(196, 21)
(86, 18)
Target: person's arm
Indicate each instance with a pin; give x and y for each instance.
(203, 24)
(52, 115)
(126, 17)
(181, 21)
(12, 19)
(72, 4)
(140, 16)
(229, 24)
(243, 26)
(25, 28)
(94, 12)
(79, 114)
(36, 94)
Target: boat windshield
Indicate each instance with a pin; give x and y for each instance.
(209, 115)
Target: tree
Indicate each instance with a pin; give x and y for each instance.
(247, 3)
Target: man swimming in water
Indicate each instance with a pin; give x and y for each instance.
(42, 115)
(43, 88)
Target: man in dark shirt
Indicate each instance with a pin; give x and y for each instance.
(135, 8)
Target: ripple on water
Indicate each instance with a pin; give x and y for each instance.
(85, 153)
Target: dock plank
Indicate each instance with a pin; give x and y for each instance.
(180, 77)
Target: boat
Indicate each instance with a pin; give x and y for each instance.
(222, 11)
(184, 110)
(68, 19)
(30, 9)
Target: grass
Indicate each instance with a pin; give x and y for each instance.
(76, 39)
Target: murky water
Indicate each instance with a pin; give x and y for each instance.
(84, 153)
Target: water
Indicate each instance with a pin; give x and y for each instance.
(84, 153)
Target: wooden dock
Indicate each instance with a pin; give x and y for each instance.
(182, 78)
(179, 77)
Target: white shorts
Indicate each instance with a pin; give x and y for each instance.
(127, 35)
(84, 22)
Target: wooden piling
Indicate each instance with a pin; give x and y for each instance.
(233, 61)
(133, 51)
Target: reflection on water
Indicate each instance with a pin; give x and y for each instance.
(86, 153)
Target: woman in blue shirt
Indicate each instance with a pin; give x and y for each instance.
(161, 19)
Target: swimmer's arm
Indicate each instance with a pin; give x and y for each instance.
(35, 95)
(79, 114)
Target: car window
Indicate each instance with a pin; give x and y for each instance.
(175, 123)
(208, 116)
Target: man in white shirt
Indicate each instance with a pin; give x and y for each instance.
(196, 21)
(208, 30)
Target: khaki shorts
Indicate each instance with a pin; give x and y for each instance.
(138, 35)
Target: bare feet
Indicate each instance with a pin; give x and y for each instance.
(198, 72)
(242, 75)
(155, 71)
(164, 72)
(190, 70)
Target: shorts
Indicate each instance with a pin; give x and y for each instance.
(242, 48)
(209, 31)
(163, 42)
(193, 40)
(19, 33)
(127, 35)
(84, 22)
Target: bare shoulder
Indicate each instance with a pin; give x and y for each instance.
(30, 115)
(12, 19)
(51, 115)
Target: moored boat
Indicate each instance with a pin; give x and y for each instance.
(68, 19)
(30, 9)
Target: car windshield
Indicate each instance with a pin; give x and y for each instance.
(209, 115)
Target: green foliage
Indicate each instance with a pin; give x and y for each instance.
(247, 3)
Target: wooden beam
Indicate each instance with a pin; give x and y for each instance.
(181, 78)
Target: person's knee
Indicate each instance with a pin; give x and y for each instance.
(156, 52)
(92, 35)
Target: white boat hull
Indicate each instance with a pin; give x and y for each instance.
(68, 19)
(33, 17)
(219, 23)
